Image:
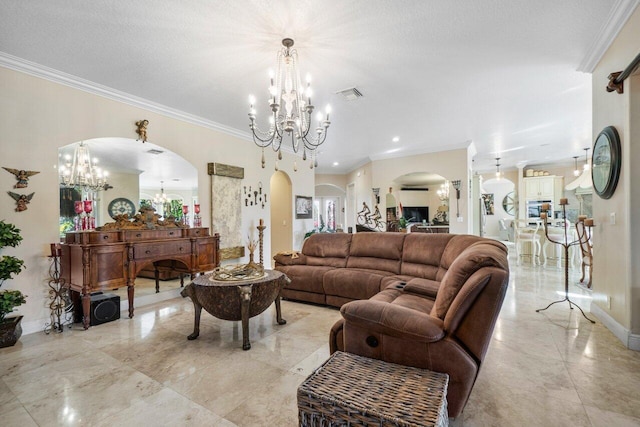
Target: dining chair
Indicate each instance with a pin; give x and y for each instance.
(528, 231)
(557, 233)
(586, 249)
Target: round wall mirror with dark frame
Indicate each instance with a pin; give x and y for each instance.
(509, 203)
(606, 162)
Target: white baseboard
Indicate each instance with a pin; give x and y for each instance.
(629, 340)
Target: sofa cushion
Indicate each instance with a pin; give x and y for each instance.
(400, 298)
(485, 253)
(376, 251)
(421, 254)
(305, 277)
(353, 283)
(334, 245)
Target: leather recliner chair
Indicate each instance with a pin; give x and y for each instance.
(443, 329)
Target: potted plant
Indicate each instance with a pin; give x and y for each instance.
(10, 329)
(403, 222)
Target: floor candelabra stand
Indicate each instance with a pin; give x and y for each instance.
(261, 228)
(60, 305)
(566, 243)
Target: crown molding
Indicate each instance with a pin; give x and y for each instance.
(55, 76)
(618, 16)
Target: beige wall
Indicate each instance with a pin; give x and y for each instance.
(38, 116)
(616, 273)
(449, 164)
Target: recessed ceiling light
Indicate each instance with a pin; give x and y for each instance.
(335, 163)
(396, 139)
(176, 179)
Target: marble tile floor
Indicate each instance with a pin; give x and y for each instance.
(550, 369)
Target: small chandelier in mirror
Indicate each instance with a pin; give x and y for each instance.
(80, 171)
(443, 192)
(161, 198)
(498, 173)
(291, 111)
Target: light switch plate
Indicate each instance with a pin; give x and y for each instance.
(612, 218)
(460, 219)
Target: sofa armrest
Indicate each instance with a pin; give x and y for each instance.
(393, 320)
(422, 287)
(290, 258)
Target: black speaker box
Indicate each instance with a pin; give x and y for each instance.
(104, 308)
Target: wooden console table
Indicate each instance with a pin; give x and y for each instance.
(97, 260)
(419, 228)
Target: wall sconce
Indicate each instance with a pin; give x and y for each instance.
(376, 192)
(457, 184)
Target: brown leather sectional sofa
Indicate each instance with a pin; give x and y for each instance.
(424, 300)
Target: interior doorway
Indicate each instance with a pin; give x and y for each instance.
(281, 213)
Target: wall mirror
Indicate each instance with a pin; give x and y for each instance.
(138, 174)
(606, 162)
(425, 198)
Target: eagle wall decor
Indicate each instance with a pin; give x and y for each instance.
(22, 176)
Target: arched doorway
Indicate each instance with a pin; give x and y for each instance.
(281, 213)
(329, 203)
(498, 197)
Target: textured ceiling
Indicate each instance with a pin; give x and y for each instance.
(437, 74)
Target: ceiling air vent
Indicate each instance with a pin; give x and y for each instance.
(154, 151)
(350, 94)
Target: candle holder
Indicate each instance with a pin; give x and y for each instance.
(261, 228)
(197, 220)
(78, 207)
(185, 214)
(88, 222)
(457, 184)
(60, 306)
(566, 243)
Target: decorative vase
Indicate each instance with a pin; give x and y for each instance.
(10, 331)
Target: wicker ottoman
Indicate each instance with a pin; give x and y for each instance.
(351, 390)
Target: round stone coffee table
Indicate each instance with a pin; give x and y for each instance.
(236, 300)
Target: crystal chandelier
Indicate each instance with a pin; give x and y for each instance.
(161, 198)
(498, 173)
(443, 192)
(291, 111)
(82, 172)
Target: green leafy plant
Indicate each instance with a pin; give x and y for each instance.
(9, 267)
(402, 221)
(9, 299)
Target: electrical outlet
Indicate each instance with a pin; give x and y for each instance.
(460, 219)
(612, 218)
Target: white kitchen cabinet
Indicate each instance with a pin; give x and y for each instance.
(544, 188)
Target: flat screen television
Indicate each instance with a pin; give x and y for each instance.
(418, 213)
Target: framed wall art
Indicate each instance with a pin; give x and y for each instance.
(304, 207)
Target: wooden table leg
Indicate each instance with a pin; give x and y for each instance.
(245, 301)
(279, 318)
(86, 308)
(197, 309)
(130, 293)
